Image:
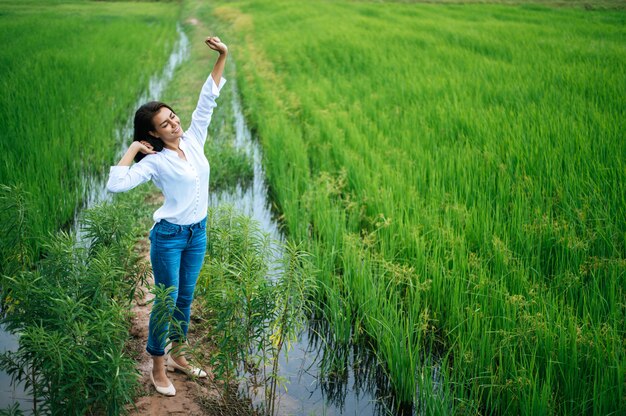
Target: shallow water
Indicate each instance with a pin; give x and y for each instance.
(250, 200)
(10, 394)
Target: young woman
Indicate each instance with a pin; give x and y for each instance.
(174, 160)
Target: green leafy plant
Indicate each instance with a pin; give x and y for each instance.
(254, 296)
(15, 245)
(71, 313)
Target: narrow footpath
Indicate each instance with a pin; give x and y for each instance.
(189, 392)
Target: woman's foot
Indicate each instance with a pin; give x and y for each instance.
(180, 363)
(178, 359)
(159, 379)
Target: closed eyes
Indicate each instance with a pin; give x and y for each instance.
(172, 115)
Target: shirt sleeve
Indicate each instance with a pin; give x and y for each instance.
(201, 116)
(124, 178)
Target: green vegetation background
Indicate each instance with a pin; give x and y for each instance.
(70, 301)
(457, 170)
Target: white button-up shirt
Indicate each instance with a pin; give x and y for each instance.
(184, 183)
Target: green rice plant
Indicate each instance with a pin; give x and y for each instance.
(456, 172)
(72, 71)
(229, 166)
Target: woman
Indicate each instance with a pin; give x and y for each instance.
(174, 160)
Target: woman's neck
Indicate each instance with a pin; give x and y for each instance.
(172, 146)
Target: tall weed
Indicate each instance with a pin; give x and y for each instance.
(71, 312)
(254, 297)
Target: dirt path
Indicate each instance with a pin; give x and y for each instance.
(188, 392)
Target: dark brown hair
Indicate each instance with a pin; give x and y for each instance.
(143, 126)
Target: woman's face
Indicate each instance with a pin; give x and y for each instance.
(167, 125)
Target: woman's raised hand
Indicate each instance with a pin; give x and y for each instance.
(144, 147)
(216, 44)
(134, 148)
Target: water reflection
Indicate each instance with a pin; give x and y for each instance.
(348, 374)
(10, 393)
(250, 200)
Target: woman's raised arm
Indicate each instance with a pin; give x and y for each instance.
(133, 149)
(201, 117)
(217, 45)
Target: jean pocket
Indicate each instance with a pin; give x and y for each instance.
(166, 230)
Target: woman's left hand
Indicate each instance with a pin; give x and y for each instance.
(216, 44)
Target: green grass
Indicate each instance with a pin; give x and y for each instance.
(584, 4)
(71, 73)
(458, 171)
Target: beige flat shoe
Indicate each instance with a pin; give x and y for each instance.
(191, 371)
(166, 391)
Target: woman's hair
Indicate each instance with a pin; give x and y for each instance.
(143, 126)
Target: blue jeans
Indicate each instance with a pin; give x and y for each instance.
(176, 253)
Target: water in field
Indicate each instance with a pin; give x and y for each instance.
(10, 394)
(250, 200)
(357, 388)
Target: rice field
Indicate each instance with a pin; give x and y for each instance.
(457, 171)
(72, 71)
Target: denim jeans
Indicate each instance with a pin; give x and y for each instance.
(176, 253)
